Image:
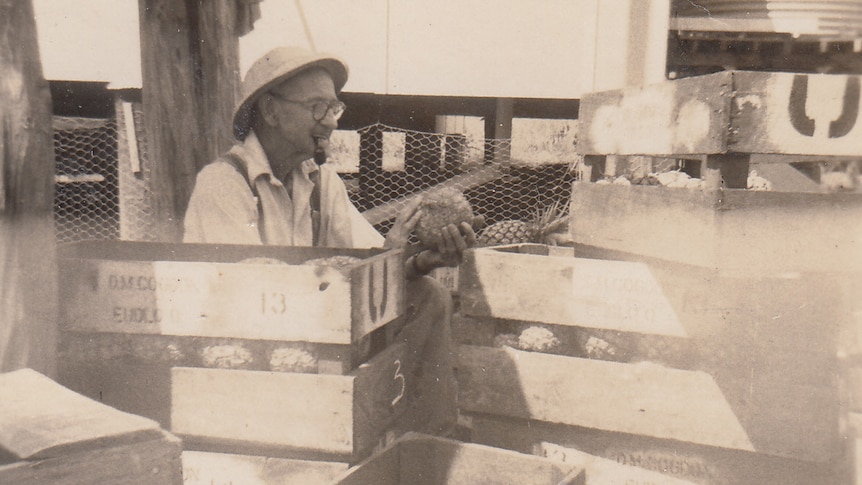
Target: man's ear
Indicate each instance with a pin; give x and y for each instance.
(266, 111)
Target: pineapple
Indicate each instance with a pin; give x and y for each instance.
(439, 209)
(548, 226)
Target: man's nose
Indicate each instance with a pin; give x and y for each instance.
(329, 120)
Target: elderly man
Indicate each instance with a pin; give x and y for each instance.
(273, 187)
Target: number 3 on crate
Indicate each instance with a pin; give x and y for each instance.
(401, 380)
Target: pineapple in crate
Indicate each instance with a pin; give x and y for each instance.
(549, 225)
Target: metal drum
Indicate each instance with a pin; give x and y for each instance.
(835, 19)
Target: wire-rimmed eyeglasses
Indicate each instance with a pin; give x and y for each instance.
(318, 109)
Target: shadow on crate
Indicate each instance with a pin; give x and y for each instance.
(650, 347)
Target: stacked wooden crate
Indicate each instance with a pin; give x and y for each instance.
(696, 332)
(245, 350)
(49, 434)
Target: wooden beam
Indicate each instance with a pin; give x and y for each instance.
(219, 74)
(389, 210)
(170, 112)
(28, 267)
(189, 61)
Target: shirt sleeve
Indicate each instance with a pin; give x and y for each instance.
(222, 208)
(342, 225)
(364, 234)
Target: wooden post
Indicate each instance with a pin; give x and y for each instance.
(503, 128)
(190, 62)
(727, 170)
(593, 168)
(28, 263)
(219, 73)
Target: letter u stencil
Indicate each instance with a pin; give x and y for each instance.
(813, 113)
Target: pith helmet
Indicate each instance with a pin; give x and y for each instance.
(275, 67)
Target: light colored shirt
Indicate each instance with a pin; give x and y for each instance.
(223, 208)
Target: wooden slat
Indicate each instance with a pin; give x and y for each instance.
(264, 408)
(336, 415)
(40, 419)
(751, 231)
(434, 460)
(427, 460)
(602, 471)
(704, 465)
(641, 399)
(687, 116)
(624, 292)
(566, 291)
(204, 468)
(744, 112)
(741, 413)
(803, 114)
(290, 302)
(107, 349)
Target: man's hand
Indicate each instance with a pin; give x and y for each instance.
(405, 222)
(450, 251)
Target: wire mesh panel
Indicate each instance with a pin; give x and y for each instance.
(105, 191)
(502, 179)
(137, 217)
(86, 191)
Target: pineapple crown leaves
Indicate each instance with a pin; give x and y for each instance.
(549, 220)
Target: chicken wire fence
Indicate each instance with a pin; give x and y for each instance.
(502, 179)
(87, 187)
(104, 189)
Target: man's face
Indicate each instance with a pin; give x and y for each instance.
(294, 100)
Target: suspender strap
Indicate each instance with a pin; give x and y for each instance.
(238, 165)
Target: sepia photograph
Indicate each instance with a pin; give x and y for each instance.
(412, 242)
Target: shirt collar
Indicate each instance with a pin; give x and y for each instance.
(257, 164)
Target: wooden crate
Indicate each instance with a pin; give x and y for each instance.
(758, 354)
(722, 120)
(738, 230)
(49, 434)
(235, 352)
(417, 459)
(677, 461)
(228, 291)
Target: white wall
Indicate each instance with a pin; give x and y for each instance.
(442, 47)
(494, 48)
(89, 40)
